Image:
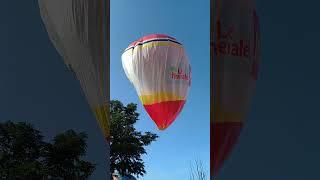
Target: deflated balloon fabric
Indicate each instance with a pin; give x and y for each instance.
(77, 30)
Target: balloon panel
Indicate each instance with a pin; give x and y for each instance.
(76, 29)
(159, 69)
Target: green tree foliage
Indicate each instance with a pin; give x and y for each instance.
(64, 156)
(25, 155)
(127, 144)
(21, 149)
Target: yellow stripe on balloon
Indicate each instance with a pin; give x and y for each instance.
(101, 115)
(159, 97)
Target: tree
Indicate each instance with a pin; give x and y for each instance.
(197, 171)
(24, 154)
(63, 158)
(127, 144)
(21, 149)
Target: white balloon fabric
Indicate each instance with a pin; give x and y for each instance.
(158, 68)
(77, 30)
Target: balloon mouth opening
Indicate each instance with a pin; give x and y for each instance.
(162, 128)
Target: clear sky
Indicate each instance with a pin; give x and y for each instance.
(187, 139)
(280, 139)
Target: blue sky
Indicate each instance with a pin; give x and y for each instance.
(187, 139)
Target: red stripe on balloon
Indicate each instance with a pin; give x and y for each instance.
(164, 113)
(225, 135)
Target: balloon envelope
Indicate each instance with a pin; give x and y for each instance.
(235, 47)
(77, 28)
(159, 69)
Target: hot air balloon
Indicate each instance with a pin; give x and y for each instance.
(235, 48)
(79, 30)
(158, 68)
